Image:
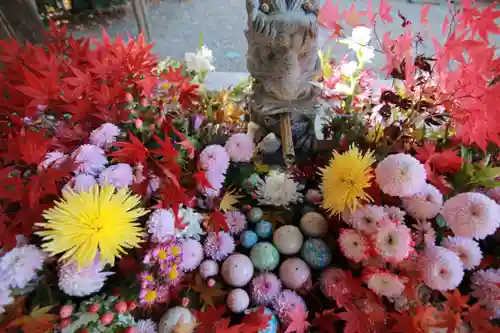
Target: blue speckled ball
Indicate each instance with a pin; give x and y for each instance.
(265, 256)
(248, 238)
(316, 253)
(255, 215)
(272, 324)
(264, 229)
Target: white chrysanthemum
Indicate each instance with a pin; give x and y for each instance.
(82, 182)
(471, 215)
(425, 204)
(201, 61)
(486, 288)
(119, 175)
(395, 213)
(424, 234)
(384, 283)
(5, 299)
(393, 242)
(146, 326)
(442, 269)
(467, 250)
(353, 245)
(161, 225)
(400, 175)
(20, 265)
(53, 159)
(193, 220)
(366, 218)
(105, 135)
(83, 282)
(278, 189)
(89, 159)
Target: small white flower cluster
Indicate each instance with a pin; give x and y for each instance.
(278, 189)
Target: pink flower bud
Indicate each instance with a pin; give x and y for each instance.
(139, 123)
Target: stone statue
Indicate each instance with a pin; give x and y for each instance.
(282, 59)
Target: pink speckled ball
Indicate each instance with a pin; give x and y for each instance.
(294, 273)
(208, 268)
(238, 300)
(237, 270)
(192, 254)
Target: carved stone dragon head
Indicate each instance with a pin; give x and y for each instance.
(281, 37)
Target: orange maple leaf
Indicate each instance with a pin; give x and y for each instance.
(455, 301)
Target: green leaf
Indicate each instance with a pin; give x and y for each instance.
(83, 320)
(485, 175)
(441, 222)
(200, 40)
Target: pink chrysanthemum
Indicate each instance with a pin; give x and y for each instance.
(486, 288)
(192, 254)
(393, 242)
(424, 234)
(425, 204)
(52, 159)
(240, 147)
(146, 280)
(353, 245)
(467, 250)
(146, 326)
(285, 303)
(214, 158)
(400, 175)
(218, 245)
(236, 221)
(20, 265)
(105, 135)
(395, 214)
(347, 216)
(148, 296)
(153, 185)
(89, 159)
(119, 175)
(161, 225)
(265, 288)
(494, 194)
(82, 182)
(366, 218)
(75, 281)
(442, 269)
(333, 278)
(383, 283)
(471, 215)
(216, 180)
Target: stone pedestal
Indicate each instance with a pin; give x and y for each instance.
(20, 19)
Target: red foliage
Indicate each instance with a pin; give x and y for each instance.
(256, 321)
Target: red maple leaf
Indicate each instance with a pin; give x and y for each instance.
(256, 321)
(174, 76)
(299, 322)
(329, 16)
(404, 323)
(201, 180)
(208, 317)
(131, 152)
(324, 321)
(448, 319)
(11, 185)
(384, 11)
(82, 82)
(222, 326)
(188, 95)
(217, 222)
(478, 319)
(455, 301)
(356, 321)
(28, 146)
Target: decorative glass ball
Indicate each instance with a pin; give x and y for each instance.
(251, 182)
(208, 268)
(255, 214)
(272, 324)
(265, 256)
(192, 254)
(288, 239)
(238, 300)
(237, 270)
(314, 224)
(170, 319)
(294, 272)
(264, 229)
(248, 238)
(316, 253)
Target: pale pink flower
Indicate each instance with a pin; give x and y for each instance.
(52, 159)
(89, 159)
(214, 159)
(216, 181)
(400, 175)
(424, 234)
(218, 245)
(494, 194)
(425, 204)
(467, 250)
(236, 221)
(105, 135)
(442, 269)
(366, 218)
(393, 242)
(161, 225)
(395, 213)
(82, 182)
(383, 283)
(119, 175)
(471, 215)
(486, 288)
(240, 147)
(265, 288)
(353, 245)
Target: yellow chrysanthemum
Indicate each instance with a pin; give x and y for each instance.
(101, 219)
(345, 179)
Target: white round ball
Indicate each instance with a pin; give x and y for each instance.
(170, 319)
(314, 224)
(238, 300)
(288, 239)
(208, 268)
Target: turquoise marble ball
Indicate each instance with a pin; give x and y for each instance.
(265, 256)
(272, 324)
(255, 215)
(316, 253)
(248, 238)
(264, 229)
